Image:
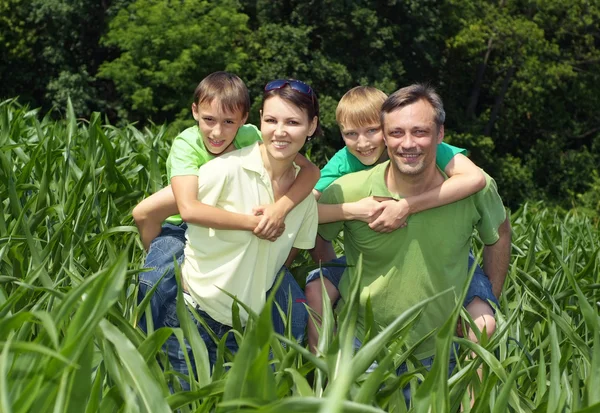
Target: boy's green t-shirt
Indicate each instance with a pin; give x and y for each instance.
(343, 163)
(188, 153)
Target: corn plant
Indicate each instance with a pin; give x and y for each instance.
(69, 260)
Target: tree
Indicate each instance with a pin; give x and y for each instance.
(166, 47)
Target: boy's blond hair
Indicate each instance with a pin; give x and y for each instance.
(360, 106)
(229, 89)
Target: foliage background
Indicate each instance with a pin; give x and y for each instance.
(520, 78)
(69, 260)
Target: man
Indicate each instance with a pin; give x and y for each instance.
(404, 267)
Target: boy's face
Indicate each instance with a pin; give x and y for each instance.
(364, 142)
(218, 127)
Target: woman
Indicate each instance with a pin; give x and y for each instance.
(237, 262)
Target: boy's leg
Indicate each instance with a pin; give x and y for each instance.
(314, 293)
(477, 301)
(163, 250)
(289, 288)
(477, 304)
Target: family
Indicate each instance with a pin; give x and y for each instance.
(242, 201)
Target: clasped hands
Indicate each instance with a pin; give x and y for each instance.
(382, 214)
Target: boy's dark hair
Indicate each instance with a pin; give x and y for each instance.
(229, 89)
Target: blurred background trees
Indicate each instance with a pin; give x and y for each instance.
(520, 78)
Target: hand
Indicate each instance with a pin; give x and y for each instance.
(366, 210)
(392, 217)
(271, 224)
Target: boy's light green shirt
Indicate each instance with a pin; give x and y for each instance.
(343, 162)
(188, 153)
(404, 267)
(233, 260)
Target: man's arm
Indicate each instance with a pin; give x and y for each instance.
(496, 258)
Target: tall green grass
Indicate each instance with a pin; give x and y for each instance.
(69, 259)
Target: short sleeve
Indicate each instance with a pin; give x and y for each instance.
(491, 210)
(183, 159)
(307, 233)
(332, 195)
(330, 172)
(445, 153)
(342, 163)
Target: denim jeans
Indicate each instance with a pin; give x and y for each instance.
(299, 319)
(167, 248)
(164, 251)
(480, 283)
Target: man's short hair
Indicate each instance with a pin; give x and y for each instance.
(360, 106)
(411, 94)
(229, 89)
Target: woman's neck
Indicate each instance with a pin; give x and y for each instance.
(278, 170)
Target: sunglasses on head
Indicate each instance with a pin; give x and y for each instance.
(297, 85)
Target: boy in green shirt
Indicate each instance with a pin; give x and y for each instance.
(221, 105)
(358, 116)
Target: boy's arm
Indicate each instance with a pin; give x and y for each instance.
(464, 179)
(151, 212)
(366, 210)
(273, 215)
(185, 189)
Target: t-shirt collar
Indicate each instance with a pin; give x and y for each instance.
(252, 159)
(378, 185)
(378, 182)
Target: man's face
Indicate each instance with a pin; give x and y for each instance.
(412, 137)
(218, 127)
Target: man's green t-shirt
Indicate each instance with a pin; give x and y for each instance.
(343, 163)
(188, 153)
(402, 268)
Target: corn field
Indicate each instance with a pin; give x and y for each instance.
(70, 257)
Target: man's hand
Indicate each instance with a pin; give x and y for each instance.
(392, 217)
(271, 224)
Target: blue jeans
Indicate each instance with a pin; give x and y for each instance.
(167, 248)
(480, 283)
(164, 251)
(299, 318)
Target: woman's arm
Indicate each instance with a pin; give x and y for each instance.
(272, 216)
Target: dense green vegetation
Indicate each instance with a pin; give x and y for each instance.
(69, 259)
(520, 78)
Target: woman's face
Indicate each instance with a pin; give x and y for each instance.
(284, 127)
